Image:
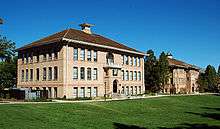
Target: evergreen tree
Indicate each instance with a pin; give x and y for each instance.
(212, 78)
(149, 67)
(219, 71)
(202, 82)
(163, 71)
(7, 63)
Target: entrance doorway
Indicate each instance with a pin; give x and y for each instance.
(115, 86)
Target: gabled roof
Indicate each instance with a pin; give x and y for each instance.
(181, 64)
(72, 34)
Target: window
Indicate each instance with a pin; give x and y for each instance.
(23, 58)
(89, 55)
(122, 57)
(75, 54)
(22, 75)
(131, 75)
(131, 61)
(55, 55)
(82, 73)
(89, 76)
(38, 74)
(55, 73)
(31, 57)
(115, 72)
(27, 55)
(135, 90)
(31, 74)
(50, 56)
(37, 57)
(123, 90)
(50, 73)
(75, 92)
(126, 59)
(44, 74)
(82, 92)
(122, 72)
(26, 74)
(44, 57)
(95, 56)
(89, 92)
(135, 61)
(95, 92)
(139, 89)
(139, 75)
(138, 62)
(75, 73)
(126, 75)
(132, 90)
(95, 74)
(135, 75)
(82, 55)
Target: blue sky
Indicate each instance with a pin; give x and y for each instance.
(189, 29)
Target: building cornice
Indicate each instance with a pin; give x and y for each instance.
(102, 46)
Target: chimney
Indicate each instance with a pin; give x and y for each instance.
(86, 28)
(169, 55)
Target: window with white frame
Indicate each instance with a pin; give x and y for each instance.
(126, 59)
(126, 75)
(50, 73)
(44, 74)
(89, 73)
(95, 92)
(122, 72)
(26, 74)
(95, 56)
(82, 92)
(138, 61)
(89, 92)
(95, 74)
(139, 75)
(75, 92)
(89, 55)
(75, 54)
(135, 61)
(131, 75)
(55, 73)
(82, 73)
(37, 74)
(82, 54)
(75, 73)
(130, 61)
(135, 75)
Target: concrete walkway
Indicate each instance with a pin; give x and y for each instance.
(102, 100)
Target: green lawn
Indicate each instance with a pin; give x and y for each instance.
(163, 113)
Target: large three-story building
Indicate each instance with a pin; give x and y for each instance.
(78, 63)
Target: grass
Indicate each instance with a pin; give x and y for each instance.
(164, 113)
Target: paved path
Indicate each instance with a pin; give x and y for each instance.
(102, 100)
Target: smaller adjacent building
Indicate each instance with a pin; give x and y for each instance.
(183, 77)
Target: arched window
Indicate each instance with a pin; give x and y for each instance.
(110, 58)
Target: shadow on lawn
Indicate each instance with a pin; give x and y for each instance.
(215, 116)
(124, 126)
(193, 126)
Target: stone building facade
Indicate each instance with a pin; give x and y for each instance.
(78, 63)
(183, 78)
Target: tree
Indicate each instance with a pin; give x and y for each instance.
(8, 73)
(208, 81)
(219, 71)
(7, 64)
(7, 49)
(202, 82)
(163, 71)
(150, 73)
(212, 78)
